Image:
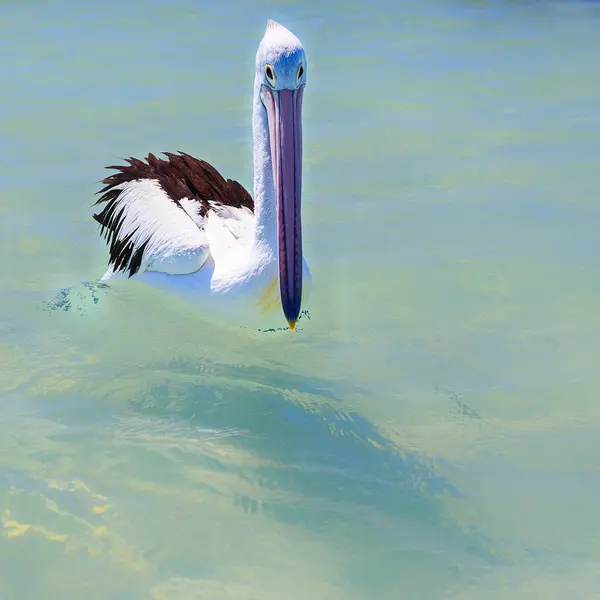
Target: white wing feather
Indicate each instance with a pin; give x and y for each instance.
(175, 241)
(239, 221)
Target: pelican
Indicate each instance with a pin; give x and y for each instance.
(178, 224)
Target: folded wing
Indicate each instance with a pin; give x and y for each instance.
(155, 211)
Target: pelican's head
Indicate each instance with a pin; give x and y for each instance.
(281, 70)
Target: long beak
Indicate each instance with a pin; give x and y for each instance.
(284, 111)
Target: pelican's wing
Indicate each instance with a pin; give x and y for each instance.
(155, 211)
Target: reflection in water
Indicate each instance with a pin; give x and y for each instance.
(298, 426)
(264, 440)
(313, 464)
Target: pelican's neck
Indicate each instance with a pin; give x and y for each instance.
(265, 208)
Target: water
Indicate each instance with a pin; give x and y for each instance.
(431, 433)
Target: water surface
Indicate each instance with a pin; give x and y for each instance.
(432, 432)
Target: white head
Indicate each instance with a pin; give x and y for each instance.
(280, 59)
(281, 72)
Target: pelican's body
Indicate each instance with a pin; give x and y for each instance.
(176, 223)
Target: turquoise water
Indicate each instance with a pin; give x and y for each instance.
(432, 432)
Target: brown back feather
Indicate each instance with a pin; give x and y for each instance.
(180, 176)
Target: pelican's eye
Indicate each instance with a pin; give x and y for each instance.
(300, 73)
(270, 74)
